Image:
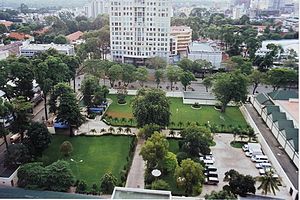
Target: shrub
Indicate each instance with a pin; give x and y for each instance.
(107, 183)
(81, 187)
(170, 162)
(181, 156)
(196, 105)
(160, 185)
(66, 148)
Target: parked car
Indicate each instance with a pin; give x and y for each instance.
(263, 165)
(259, 158)
(245, 148)
(211, 181)
(211, 168)
(267, 169)
(207, 157)
(208, 162)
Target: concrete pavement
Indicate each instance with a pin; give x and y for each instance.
(135, 178)
(281, 156)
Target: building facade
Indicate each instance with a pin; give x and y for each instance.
(183, 35)
(30, 50)
(140, 29)
(96, 7)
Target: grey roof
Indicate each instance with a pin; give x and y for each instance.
(196, 46)
(271, 109)
(263, 99)
(197, 95)
(276, 115)
(14, 192)
(283, 95)
(292, 135)
(284, 124)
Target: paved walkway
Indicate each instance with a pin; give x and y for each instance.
(135, 178)
(281, 156)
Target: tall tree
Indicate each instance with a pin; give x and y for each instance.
(230, 87)
(5, 110)
(173, 74)
(141, 74)
(68, 111)
(21, 121)
(88, 89)
(256, 78)
(38, 137)
(186, 78)
(154, 151)
(156, 63)
(159, 75)
(114, 74)
(128, 74)
(281, 77)
(108, 183)
(207, 82)
(189, 176)
(151, 107)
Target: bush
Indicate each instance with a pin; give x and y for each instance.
(94, 189)
(149, 178)
(107, 183)
(66, 148)
(160, 185)
(170, 162)
(181, 156)
(196, 105)
(81, 187)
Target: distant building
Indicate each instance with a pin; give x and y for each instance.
(30, 50)
(4, 54)
(6, 23)
(139, 29)
(238, 11)
(75, 38)
(205, 51)
(183, 35)
(13, 48)
(96, 7)
(19, 36)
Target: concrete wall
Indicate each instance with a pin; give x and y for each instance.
(257, 106)
(202, 102)
(266, 149)
(11, 181)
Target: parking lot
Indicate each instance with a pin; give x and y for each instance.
(226, 158)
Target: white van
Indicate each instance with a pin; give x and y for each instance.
(208, 162)
(211, 181)
(259, 158)
(263, 165)
(14, 138)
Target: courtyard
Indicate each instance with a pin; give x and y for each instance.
(99, 154)
(181, 114)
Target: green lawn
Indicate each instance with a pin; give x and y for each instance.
(180, 113)
(99, 155)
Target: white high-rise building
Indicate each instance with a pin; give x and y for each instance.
(96, 7)
(259, 4)
(140, 29)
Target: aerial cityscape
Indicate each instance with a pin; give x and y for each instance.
(149, 99)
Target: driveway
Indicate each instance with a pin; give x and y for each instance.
(226, 158)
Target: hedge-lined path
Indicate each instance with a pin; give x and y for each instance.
(135, 178)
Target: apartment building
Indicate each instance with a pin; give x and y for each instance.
(30, 50)
(140, 29)
(183, 35)
(96, 7)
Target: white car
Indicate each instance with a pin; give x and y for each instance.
(245, 147)
(262, 165)
(207, 157)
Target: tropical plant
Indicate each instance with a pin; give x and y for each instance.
(111, 129)
(269, 183)
(119, 129)
(127, 130)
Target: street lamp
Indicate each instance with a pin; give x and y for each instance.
(76, 162)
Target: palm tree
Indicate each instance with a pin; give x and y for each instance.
(123, 120)
(130, 121)
(180, 124)
(188, 123)
(93, 131)
(120, 129)
(102, 130)
(268, 183)
(127, 130)
(5, 109)
(111, 129)
(251, 134)
(172, 123)
(235, 132)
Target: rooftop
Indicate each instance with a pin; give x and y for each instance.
(283, 95)
(286, 44)
(6, 23)
(199, 46)
(41, 47)
(18, 36)
(291, 107)
(74, 36)
(14, 192)
(137, 193)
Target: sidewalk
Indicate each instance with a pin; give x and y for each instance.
(135, 178)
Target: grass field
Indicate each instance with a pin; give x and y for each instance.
(99, 155)
(180, 113)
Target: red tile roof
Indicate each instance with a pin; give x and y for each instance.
(18, 36)
(6, 23)
(74, 36)
(42, 31)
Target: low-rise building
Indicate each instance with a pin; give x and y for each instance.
(279, 110)
(183, 35)
(13, 48)
(75, 38)
(205, 51)
(30, 50)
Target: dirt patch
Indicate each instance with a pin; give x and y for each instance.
(119, 115)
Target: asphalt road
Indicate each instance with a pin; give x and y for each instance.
(281, 156)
